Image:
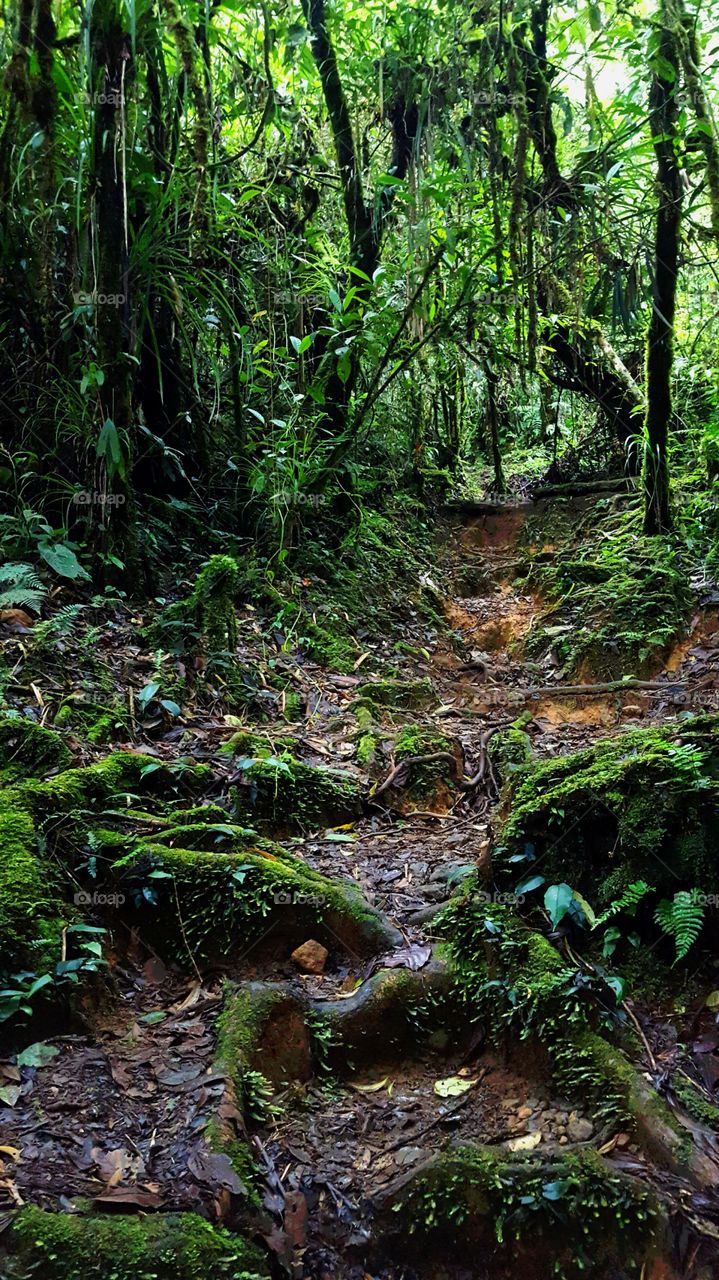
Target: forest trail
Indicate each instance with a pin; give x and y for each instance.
(370, 1070)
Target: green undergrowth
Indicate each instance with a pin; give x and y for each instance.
(585, 1215)
(60, 1246)
(620, 598)
(642, 806)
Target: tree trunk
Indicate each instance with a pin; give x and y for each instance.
(663, 121)
(500, 484)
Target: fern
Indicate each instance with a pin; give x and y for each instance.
(21, 588)
(627, 901)
(682, 919)
(59, 625)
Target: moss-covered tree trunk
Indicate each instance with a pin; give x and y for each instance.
(706, 134)
(663, 121)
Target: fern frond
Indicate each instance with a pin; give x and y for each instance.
(627, 901)
(682, 919)
(22, 598)
(58, 625)
(22, 588)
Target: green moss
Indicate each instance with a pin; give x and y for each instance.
(414, 694)
(695, 1103)
(427, 782)
(510, 750)
(259, 746)
(576, 1202)
(208, 614)
(96, 724)
(26, 897)
(173, 1247)
(643, 805)
(27, 749)
(211, 904)
(295, 796)
(367, 746)
(644, 601)
(119, 775)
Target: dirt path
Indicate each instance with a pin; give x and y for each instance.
(120, 1113)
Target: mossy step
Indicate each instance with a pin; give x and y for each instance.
(519, 983)
(571, 1216)
(290, 796)
(27, 750)
(54, 1246)
(216, 904)
(267, 1027)
(33, 892)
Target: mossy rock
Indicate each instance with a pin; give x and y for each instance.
(408, 694)
(58, 1246)
(643, 805)
(27, 750)
(290, 796)
(571, 1215)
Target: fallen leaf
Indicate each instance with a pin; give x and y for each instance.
(131, 1196)
(216, 1169)
(527, 1142)
(9, 1094)
(370, 1088)
(16, 618)
(37, 1055)
(13, 1152)
(452, 1086)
